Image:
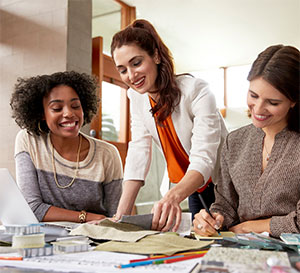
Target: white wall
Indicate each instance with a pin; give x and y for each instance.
(34, 40)
(204, 34)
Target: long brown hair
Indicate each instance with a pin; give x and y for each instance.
(279, 65)
(144, 35)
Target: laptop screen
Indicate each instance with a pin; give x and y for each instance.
(14, 210)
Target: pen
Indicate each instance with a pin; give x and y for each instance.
(135, 264)
(207, 209)
(180, 253)
(147, 262)
(196, 268)
(184, 258)
(153, 258)
(11, 258)
(168, 256)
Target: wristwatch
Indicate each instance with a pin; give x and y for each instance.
(82, 216)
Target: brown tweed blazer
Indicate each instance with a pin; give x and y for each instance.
(244, 192)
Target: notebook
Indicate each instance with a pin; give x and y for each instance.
(14, 210)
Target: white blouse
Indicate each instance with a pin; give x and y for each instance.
(198, 124)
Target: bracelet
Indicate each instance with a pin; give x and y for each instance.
(82, 216)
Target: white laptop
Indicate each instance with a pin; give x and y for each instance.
(14, 210)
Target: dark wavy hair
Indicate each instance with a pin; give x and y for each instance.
(279, 65)
(144, 35)
(27, 99)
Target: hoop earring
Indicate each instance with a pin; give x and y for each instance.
(40, 129)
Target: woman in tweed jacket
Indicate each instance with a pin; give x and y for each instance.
(259, 184)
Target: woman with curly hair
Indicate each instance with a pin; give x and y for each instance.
(178, 113)
(63, 174)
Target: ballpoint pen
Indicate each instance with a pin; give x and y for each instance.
(207, 210)
(148, 262)
(188, 257)
(155, 257)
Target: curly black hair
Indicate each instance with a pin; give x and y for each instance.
(27, 99)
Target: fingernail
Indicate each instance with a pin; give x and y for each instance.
(216, 227)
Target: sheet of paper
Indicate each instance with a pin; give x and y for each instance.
(185, 224)
(97, 261)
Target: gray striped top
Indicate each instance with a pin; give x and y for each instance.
(97, 188)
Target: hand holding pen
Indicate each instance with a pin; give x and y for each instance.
(207, 223)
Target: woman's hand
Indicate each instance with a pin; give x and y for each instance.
(257, 226)
(165, 213)
(205, 225)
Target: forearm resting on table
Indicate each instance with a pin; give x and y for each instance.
(59, 214)
(257, 226)
(129, 194)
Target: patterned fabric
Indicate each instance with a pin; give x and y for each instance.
(167, 243)
(109, 230)
(244, 192)
(97, 188)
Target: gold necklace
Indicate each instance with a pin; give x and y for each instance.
(76, 170)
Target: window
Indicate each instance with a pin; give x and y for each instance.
(215, 79)
(230, 87)
(237, 86)
(111, 99)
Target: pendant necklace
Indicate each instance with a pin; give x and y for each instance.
(268, 155)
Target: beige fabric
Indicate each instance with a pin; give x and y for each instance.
(164, 243)
(108, 230)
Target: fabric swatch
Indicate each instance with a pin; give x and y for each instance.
(144, 221)
(109, 230)
(163, 243)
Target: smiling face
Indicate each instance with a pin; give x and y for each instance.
(63, 112)
(267, 105)
(137, 69)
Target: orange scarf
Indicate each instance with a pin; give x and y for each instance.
(175, 155)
